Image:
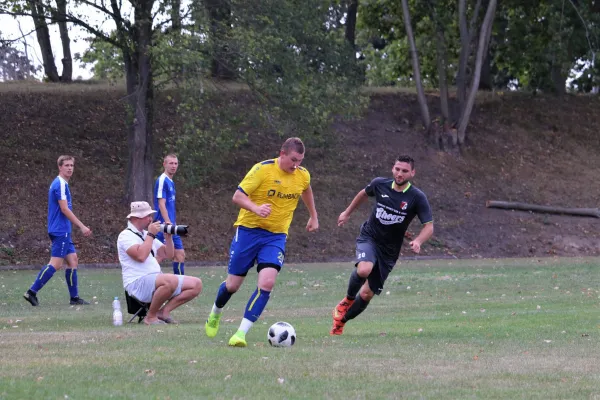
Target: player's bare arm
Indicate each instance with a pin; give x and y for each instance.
(360, 198)
(167, 251)
(64, 208)
(309, 201)
(162, 206)
(140, 252)
(424, 235)
(242, 200)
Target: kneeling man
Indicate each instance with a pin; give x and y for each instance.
(140, 254)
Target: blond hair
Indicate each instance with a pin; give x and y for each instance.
(62, 159)
(170, 155)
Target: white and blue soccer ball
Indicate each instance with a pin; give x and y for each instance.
(281, 334)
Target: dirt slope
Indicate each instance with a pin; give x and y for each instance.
(541, 150)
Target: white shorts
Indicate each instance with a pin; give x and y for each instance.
(143, 288)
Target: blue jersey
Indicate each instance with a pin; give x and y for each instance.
(57, 221)
(164, 188)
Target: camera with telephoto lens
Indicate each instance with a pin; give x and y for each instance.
(180, 230)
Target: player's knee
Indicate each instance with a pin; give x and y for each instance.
(266, 280)
(170, 282)
(366, 294)
(196, 285)
(363, 269)
(56, 262)
(233, 285)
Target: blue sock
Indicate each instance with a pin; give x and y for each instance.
(43, 277)
(256, 304)
(71, 278)
(223, 296)
(178, 268)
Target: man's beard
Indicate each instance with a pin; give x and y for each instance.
(401, 183)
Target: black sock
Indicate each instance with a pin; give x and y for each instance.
(356, 308)
(354, 284)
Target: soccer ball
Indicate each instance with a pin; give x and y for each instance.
(281, 334)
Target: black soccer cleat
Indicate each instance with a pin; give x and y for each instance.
(78, 301)
(31, 297)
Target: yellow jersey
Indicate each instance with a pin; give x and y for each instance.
(266, 183)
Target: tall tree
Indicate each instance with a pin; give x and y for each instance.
(484, 38)
(311, 81)
(352, 10)
(219, 12)
(38, 12)
(67, 60)
(426, 119)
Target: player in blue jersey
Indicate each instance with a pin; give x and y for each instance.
(60, 218)
(267, 198)
(164, 202)
(378, 245)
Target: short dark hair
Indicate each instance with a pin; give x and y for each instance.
(293, 144)
(406, 159)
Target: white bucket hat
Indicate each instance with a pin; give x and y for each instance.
(140, 209)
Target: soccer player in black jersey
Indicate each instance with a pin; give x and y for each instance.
(378, 245)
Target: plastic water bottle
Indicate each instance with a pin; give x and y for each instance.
(117, 314)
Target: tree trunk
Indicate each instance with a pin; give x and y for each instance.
(559, 79)
(219, 12)
(486, 73)
(351, 22)
(511, 205)
(175, 15)
(484, 37)
(442, 61)
(416, 67)
(141, 97)
(466, 36)
(67, 61)
(465, 40)
(43, 36)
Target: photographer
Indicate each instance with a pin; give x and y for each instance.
(140, 254)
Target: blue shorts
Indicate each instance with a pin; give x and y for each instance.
(252, 245)
(62, 245)
(176, 240)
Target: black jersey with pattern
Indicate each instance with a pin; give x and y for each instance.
(392, 213)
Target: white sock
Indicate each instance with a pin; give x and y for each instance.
(216, 309)
(246, 325)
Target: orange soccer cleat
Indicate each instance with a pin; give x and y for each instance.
(341, 309)
(337, 329)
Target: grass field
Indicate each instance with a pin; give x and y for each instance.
(441, 329)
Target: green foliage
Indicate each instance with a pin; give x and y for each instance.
(107, 59)
(534, 44)
(298, 66)
(295, 67)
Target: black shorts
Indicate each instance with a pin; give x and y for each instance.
(383, 264)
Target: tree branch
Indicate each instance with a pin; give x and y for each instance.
(23, 35)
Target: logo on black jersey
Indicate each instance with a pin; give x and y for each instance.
(388, 219)
(403, 205)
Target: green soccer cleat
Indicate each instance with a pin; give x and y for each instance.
(238, 339)
(212, 324)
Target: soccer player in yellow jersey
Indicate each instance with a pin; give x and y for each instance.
(267, 196)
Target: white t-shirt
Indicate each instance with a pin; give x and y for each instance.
(133, 269)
